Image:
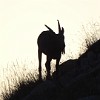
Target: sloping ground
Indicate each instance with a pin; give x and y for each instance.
(78, 79)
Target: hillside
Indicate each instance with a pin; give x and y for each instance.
(78, 79)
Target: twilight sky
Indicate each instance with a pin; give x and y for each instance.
(21, 21)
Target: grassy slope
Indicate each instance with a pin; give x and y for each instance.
(72, 82)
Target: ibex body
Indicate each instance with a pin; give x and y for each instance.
(52, 45)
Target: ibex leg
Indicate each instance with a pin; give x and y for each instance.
(57, 65)
(48, 68)
(39, 57)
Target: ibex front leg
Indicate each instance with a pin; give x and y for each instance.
(48, 68)
(39, 58)
(57, 66)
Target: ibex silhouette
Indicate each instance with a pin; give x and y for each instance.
(52, 45)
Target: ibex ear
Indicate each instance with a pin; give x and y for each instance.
(62, 30)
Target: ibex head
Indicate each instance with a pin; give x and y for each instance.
(60, 29)
(60, 36)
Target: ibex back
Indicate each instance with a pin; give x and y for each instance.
(52, 45)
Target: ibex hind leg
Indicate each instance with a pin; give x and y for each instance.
(48, 68)
(40, 59)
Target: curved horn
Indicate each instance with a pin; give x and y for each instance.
(49, 28)
(59, 29)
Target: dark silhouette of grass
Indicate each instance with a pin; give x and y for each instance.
(95, 47)
(72, 83)
(22, 90)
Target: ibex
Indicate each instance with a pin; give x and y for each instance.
(52, 45)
